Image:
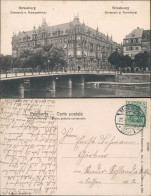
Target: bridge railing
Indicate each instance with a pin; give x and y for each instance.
(31, 72)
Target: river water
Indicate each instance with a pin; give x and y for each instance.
(74, 92)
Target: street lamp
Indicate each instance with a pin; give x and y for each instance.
(101, 64)
(48, 65)
(84, 56)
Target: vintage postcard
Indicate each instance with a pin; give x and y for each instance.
(75, 147)
(75, 49)
(51, 50)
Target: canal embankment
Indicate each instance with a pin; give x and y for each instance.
(136, 82)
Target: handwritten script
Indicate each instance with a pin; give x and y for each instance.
(97, 160)
(41, 155)
(28, 147)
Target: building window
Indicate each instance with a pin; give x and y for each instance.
(79, 53)
(43, 35)
(78, 37)
(136, 48)
(34, 36)
(70, 45)
(65, 46)
(78, 45)
(126, 41)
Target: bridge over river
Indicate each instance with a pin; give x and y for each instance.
(62, 84)
(23, 75)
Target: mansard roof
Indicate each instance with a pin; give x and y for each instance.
(21, 35)
(136, 33)
(63, 29)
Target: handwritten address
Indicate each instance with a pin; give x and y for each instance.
(95, 162)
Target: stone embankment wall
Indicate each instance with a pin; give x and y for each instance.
(131, 78)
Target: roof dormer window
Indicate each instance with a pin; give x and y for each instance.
(34, 36)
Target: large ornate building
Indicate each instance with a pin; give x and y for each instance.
(136, 42)
(84, 46)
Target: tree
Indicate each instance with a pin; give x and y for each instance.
(50, 57)
(26, 58)
(142, 60)
(47, 47)
(43, 59)
(115, 59)
(5, 62)
(126, 61)
(36, 59)
(57, 59)
(120, 61)
(16, 62)
(25, 53)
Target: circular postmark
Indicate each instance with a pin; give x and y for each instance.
(130, 119)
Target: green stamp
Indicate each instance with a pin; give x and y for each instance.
(136, 112)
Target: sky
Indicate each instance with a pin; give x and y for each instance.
(93, 13)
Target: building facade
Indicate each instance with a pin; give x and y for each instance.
(146, 41)
(83, 45)
(136, 42)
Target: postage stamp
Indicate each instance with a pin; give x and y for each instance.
(130, 119)
(136, 118)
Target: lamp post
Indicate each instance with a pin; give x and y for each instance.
(70, 62)
(48, 65)
(84, 56)
(69, 57)
(101, 64)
